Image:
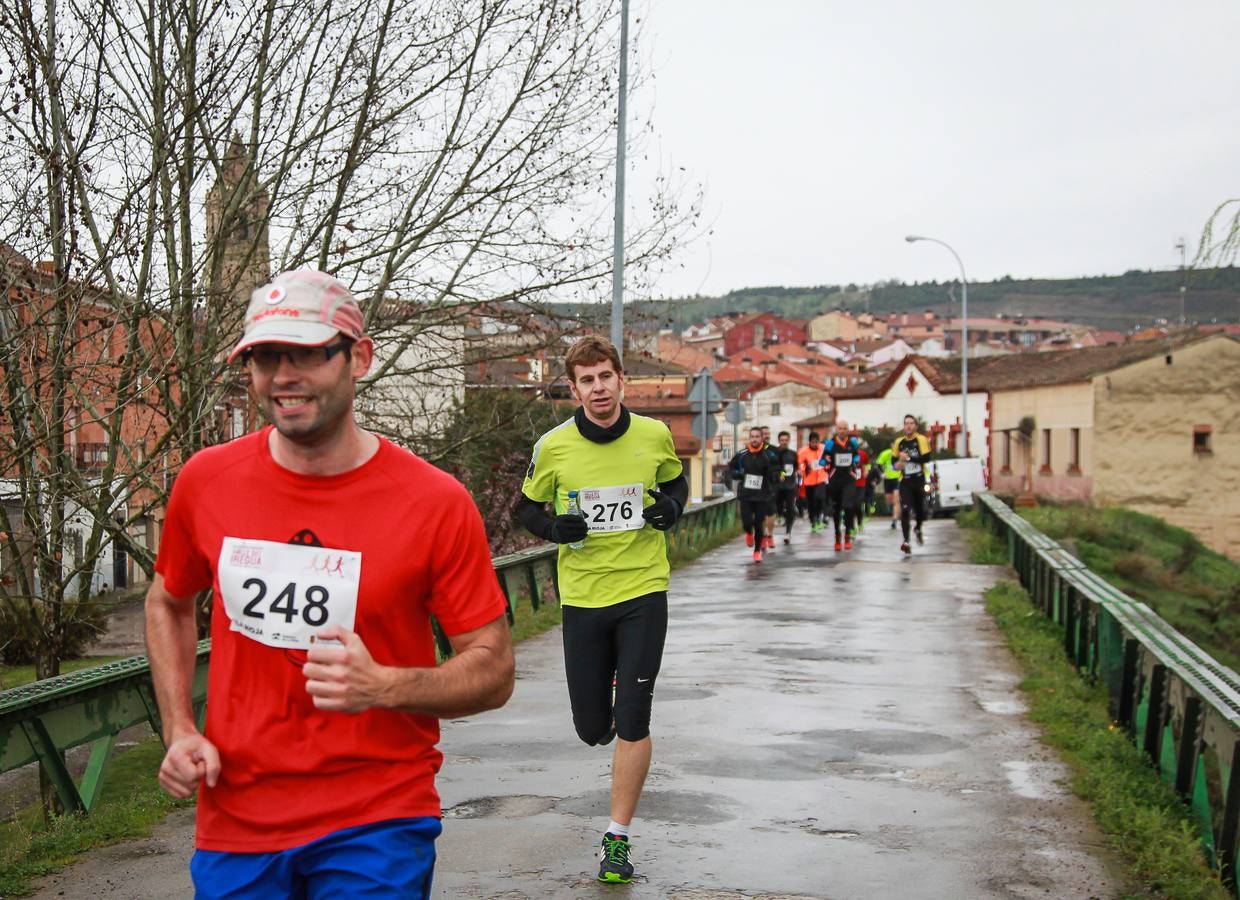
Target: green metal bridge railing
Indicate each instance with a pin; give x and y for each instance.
(40, 721)
(1180, 705)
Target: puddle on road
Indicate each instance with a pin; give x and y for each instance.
(812, 654)
(790, 617)
(680, 807)
(716, 894)
(516, 806)
(883, 742)
(683, 693)
(1028, 780)
(1004, 707)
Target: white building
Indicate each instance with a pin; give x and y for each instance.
(777, 406)
(111, 566)
(927, 389)
(415, 383)
(892, 352)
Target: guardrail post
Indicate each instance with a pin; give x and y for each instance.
(1154, 713)
(1231, 818)
(1067, 602)
(1087, 623)
(503, 586)
(53, 764)
(531, 581)
(147, 692)
(555, 579)
(1190, 745)
(92, 778)
(1129, 685)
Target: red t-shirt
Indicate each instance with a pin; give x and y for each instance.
(291, 773)
(863, 459)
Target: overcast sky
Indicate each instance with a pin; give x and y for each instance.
(1058, 138)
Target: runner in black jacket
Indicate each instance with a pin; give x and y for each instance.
(754, 473)
(786, 485)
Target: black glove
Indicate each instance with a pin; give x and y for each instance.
(568, 529)
(663, 513)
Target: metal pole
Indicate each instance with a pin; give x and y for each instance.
(702, 376)
(1183, 288)
(964, 339)
(964, 358)
(617, 257)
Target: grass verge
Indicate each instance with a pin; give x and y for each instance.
(132, 803)
(1192, 587)
(1143, 818)
(984, 547)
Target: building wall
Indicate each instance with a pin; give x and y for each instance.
(1057, 409)
(893, 352)
(414, 386)
(688, 448)
(766, 329)
(1146, 414)
(832, 326)
(921, 400)
(794, 402)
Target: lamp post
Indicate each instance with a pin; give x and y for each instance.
(1183, 287)
(617, 257)
(964, 339)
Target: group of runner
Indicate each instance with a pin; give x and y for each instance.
(332, 548)
(837, 481)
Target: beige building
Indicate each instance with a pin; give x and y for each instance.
(1152, 426)
(842, 325)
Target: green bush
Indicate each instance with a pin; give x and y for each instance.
(21, 624)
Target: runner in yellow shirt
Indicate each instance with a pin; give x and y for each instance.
(615, 484)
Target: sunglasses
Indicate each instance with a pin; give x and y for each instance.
(303, 359)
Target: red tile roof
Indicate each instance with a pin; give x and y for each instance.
(997, 373)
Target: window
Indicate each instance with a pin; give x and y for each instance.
(1201, 439)
(1074, 451)
(774, 409)
(1046, 451)
(1007, 453)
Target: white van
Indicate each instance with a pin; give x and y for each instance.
(951, 483)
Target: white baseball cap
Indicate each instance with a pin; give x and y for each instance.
(304, 306)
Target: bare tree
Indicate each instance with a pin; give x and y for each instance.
(1220, 237)
(161, 158)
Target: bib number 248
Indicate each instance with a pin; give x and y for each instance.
(310, 606)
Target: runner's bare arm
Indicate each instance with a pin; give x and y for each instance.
(478, 677)
(171, 642)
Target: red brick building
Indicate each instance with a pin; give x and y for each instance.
(762, 330)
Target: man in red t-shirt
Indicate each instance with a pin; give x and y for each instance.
(327, 550)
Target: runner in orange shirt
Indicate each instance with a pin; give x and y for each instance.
(813, 467)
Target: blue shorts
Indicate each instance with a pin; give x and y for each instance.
(389, 859)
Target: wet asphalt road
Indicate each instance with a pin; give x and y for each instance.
(826, 725)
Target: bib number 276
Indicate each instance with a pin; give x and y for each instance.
(611, 513)
(612, 509)
(310, 606)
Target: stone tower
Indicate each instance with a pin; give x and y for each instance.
(238, 257)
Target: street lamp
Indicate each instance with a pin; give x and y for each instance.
(617, 256)
(964, 338)
(1180, 246)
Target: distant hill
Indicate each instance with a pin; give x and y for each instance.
(1118, 302)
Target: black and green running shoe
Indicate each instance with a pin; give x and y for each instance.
(614, 866)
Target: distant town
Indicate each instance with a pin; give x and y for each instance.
(1058, 410)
